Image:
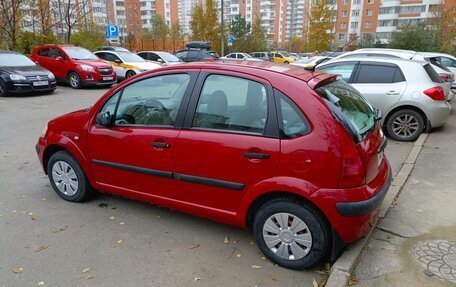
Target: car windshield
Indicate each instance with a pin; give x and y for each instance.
(130, 57)
(169, 57)
(14, 60)
(350, 104)
(77, 53)
(247, 55)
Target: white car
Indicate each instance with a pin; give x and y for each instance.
(126, 64)
(240, 57)
(163, 58)
(311, 62)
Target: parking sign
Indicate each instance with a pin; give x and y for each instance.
(112, 31)
(230, 40)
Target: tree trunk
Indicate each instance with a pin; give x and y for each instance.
(69, 35)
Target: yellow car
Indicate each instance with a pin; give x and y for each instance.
(282, 57)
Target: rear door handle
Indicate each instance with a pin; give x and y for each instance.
(392, 93)
(160, 144)
(253, 155)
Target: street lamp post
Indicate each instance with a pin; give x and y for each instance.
(291, 26)
(222, 50)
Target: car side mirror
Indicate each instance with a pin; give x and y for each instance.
(104, 119)
(377, 114)
(59, 58)
(117, 61)
(160, 60)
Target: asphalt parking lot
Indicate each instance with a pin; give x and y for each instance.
(111, 241)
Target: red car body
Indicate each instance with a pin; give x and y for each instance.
(309, 168)
(56, 59)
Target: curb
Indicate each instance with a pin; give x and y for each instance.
(344, 266)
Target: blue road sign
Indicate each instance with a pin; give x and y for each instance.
(230, 40)
(112, 31)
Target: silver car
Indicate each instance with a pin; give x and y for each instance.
(444, 73)
(410, 94)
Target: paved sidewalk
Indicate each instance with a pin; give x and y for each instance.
(416, 242)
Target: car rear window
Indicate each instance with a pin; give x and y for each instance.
(432, 74)
(380, 74)
(349, 107)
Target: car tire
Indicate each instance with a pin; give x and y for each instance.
(3, 89)
(74, 80)
(67, 178)
(290, 249)
(286, 62)
(129, 74)
(405, 125)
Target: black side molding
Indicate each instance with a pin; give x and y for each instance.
(209, 181)
(148, 171)
(357, 208)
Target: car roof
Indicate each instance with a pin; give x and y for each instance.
(373, 59)
(395, 52)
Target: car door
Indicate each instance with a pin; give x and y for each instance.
(116, 63)
(135, 153)
(58, 61)
(229, 141)
(382, 84)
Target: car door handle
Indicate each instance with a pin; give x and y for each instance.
(392, 93)
(253, 155)
(160, 144)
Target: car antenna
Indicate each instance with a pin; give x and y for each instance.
(321, 60)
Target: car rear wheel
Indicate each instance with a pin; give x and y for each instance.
(286, 62)
(129, 74)
(291, 234)
(67, 178)
(405, 125)
(74, 80)
(3, 89)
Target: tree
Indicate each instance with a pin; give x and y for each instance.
(161, 29)
(11, 21)
(89, 37)
(72, 13)
(205, 25)
(240, 30)
(367, 41)
(444, 22)
(417, 38)
(175, 34)
(319, 33)
(258, 37)
(130, 40)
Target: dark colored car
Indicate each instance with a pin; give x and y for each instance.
(74, 65)
(18, 74)
(193, 55)
(295, 155)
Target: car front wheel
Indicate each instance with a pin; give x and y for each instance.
(291, 234)
(3, 89)
(74, 80)
(405, 125)
(67, 178)
(130, 74)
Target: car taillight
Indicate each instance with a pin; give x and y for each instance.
(435, 93)
(445, 77)
(353, 173)
(210, 59)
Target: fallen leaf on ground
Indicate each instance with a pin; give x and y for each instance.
(419, 210)
(1, 215)
(196, 279)
(32, 217)
(263, 258)
(226, 240)
(86, 270)
(120, 241)
(60, 229)
(41, 248)
(256, 267)
(234, 241)
(322, 283)
(272, 278)
(194, 246)
(112, 217)
(324, 269)
(14, 211)
(121, 223)
(158, 216)
(352, 281)
(17, 269)
(87, 276)
(43, 199)
(251, 242)
(238, 255)
(41, 283)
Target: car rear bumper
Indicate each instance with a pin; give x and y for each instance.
(353, 212)
(439, 113)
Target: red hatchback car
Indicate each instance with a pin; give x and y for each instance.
(295, 155)
(75, 65)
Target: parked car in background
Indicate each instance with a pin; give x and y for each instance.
(112, 48)
(410, 94)
(444, 73)
(295, 56)
(126, 64)
(194, 55)
(75, 65)
(282, 57)
(295, 156)
(240, 57)
(162, 58)
(311, 62)
(265, 56)
(18, 74)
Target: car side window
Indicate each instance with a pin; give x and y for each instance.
(43, 52)
(345, 70)
(378, 74)
(110, 105)
(232, 104)
(448, 62)
(182, 54)
(293, 122)
(101, 55)
(145, 56)
(111, 57)
(278, 56)
(239, 56)
(153, 101)
(153, 57)
(54, 53)
(192, 54)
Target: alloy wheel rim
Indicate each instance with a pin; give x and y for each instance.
(65, 178)
(130, 74)
(287, 236)
(74, 80)
(405, 125)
